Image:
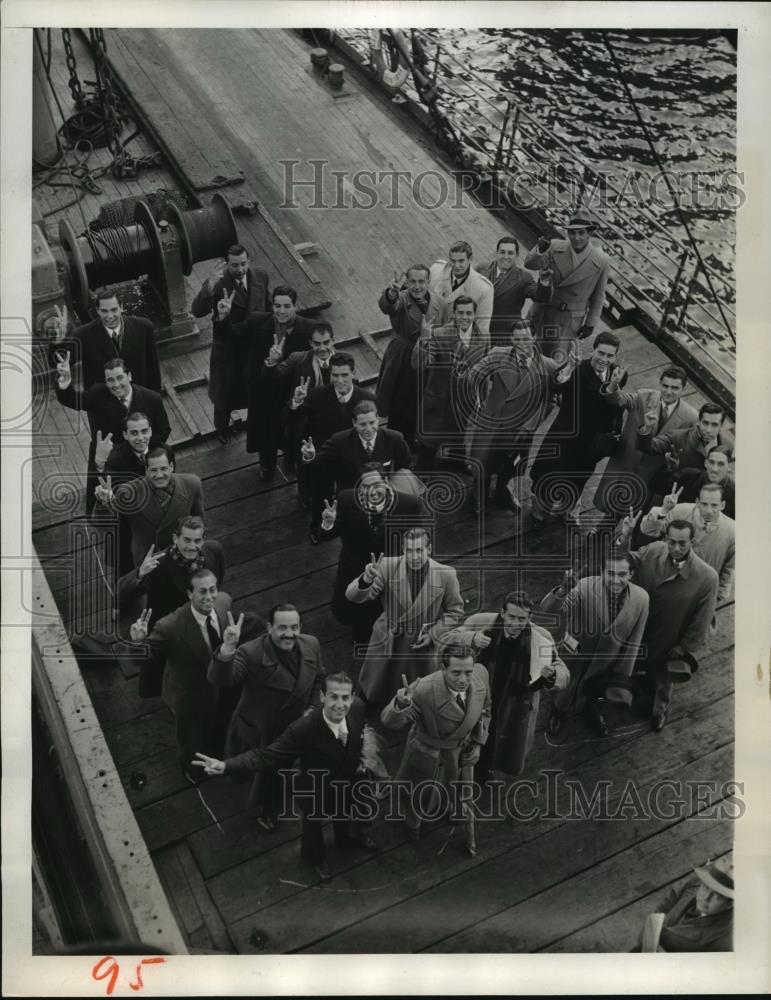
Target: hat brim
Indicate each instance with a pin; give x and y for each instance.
(712, 883)
(679, 671)
(580, 225)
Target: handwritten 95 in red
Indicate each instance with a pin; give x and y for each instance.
(107, 968)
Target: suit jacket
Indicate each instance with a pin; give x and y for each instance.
(166, 586)
(93, 346)
(298, 365)
(579, 291)
(628, 463)
(441, 729)
(362, 534)
(227, 362)
(265, 394)
(605, 646)
(516, 402)
(321, 415)
(443, 363)
(150, 524)
(717, 547)
(343, 455)
(585, 416)
(510, 291)
(514, 715)
(439, 604)
(124, 464)
(310, 740)
(684, 442)
(270, 697)
(107, 414)
(178, 650)
(475, 285)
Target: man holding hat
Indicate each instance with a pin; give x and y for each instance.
(697, 916)
(579, 272)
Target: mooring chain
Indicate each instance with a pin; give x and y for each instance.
(74, 82)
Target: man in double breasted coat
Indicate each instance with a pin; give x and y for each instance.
(179, 648)
(443, 358)
(280, 674)
(421, 601)
(449, 715)
(603, 619)
(152, 506)
(520, 658)
(517, 387)
(632, 476)
(411, 310)
(250, 293)
(579, 275)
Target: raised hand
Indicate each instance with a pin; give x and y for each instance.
(630, 522)
(549, 672)
(672, 499)
(224, 304)
(568, 582)
(63, 373)
(276, 352)
(300, 392)
(543, 244)
(150, 562)
(141, 626)
(545, 276)
(215, 276)
(481, 640)
(652, 418)
(329, 515)
(397, 282)
(308, 451)
(60, 324)
(232, 633)
(103, 449)
(210, 765)
(423, 639)
(404, 694)
(103, 492)
(372, 569)
(672, 461)
(617, 376)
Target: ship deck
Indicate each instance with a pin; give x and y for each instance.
(548, 884)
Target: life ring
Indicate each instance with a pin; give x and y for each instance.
(387, 60)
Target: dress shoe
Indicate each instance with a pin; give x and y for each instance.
(471, 848)
(313, 534)
(323, 871)
(267, 473)
(556, 720)
(658, 721)
(596, 719)
(223, 437)
(267, 823)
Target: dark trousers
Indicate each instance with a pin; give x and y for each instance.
(312, 848)
(195, 733)
(221, 419)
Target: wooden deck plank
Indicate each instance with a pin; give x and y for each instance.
(613, 882)
(424, 887)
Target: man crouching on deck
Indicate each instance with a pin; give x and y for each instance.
(450, 715)
(328, 743)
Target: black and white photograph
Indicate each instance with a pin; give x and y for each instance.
(380, 404)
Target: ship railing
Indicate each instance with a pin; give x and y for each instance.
(510, 143)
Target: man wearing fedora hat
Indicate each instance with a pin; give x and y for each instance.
(579, 272)
(697, 916)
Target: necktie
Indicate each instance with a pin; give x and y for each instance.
(368, 449)
(325, 374)
(212, 632)
(342, 735)
(460, 701)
